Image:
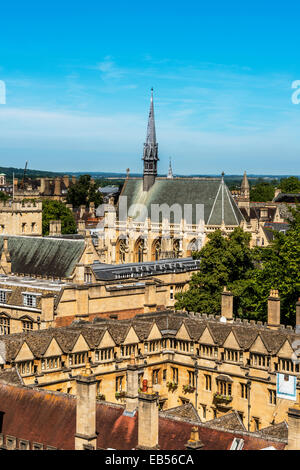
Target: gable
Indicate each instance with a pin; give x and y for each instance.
(206, 337)
(231, 342)
(80, 345)
(131, 337)
(182, 333)
(258, 346)
(286, 350)
(154, 333)
(24, 353)
(53, 349)
(106, 341)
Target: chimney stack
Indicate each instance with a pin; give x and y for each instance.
(81, 227)
(57, 186)
(294, 428)
(54, 227)
(227, 305)
(147, 418)
(66, 181)
(86, 437)
(132, 387)
(194, 442)
(274, 309)
(42, 185)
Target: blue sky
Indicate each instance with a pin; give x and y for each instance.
(78, 78)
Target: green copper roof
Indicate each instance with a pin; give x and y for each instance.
(212, 193)
(43, 256)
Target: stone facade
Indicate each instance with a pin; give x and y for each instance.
(21, 218)
(216, 366)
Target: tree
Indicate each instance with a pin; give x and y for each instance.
(290, 185)
(223, 262)
(83, 192)
(56, 210)
(249, 274)
(4, 196)
(262, 192)
(279, 269)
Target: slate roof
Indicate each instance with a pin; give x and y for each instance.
(269, 228)
(229, 421)
(279, 431)
(167, 322)
(187, 412)
(52, 257)
(49, 418)
(11, 376)
(103, 271)
(212, 193)
(288, 197)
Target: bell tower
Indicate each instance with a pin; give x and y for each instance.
(150, 155)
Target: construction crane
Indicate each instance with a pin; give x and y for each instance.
(23, 180)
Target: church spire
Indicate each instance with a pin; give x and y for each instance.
(170, 172)
(245, 187)
(150, 155)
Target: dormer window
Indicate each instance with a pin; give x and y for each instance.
(29, 300)
(3, 295)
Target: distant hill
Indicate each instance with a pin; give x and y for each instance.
(18, 172)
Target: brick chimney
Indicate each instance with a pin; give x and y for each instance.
(82, 211)
(73, 179)
(294, 428)
(274, 309)
(132, 386)
(147, 418)
(42, 185)
(57, 186)
(227, 305)
(66, 181)
(194, 442)
(81, 227)
(54, 227)
(86, 437)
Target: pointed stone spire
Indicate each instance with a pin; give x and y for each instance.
(151, 134)
(245, 183)
(170, 172)
(150, 155)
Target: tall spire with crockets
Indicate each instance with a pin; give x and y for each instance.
(150, 156)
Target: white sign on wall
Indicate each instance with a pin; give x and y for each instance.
(286, 387)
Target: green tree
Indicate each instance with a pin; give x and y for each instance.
(56, 210)
(262, 192)
(3, 196)
(223, 262)
(249, 274)
(279, 269)
(290, 185)
(83, 192)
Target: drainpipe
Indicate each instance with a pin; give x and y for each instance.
(249, 406)
(196, 391)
